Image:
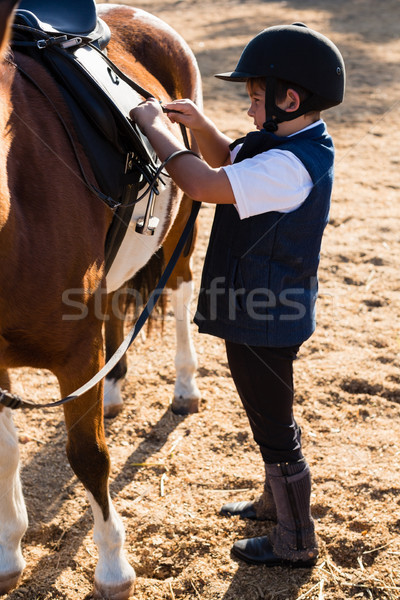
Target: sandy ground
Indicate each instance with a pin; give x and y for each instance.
(347, 375)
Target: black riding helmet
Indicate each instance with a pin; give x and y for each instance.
(296, 54)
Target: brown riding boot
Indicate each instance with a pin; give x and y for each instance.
(292, 541)
(293, 538)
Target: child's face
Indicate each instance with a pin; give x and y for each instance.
(257, 106)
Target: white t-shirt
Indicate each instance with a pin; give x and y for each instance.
(275, 180)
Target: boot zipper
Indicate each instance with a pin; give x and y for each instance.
(293, 506)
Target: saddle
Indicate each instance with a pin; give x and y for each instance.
(75, 17)
(70, 40)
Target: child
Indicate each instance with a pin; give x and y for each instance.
(259, 283)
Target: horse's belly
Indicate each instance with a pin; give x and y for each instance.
(136, 248)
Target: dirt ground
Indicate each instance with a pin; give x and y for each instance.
(347, 375)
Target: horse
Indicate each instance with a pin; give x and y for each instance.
(52, 239)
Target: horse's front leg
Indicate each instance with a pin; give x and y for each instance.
(13, 516)
(89, 459)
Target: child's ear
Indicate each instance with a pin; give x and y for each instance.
(292, 101)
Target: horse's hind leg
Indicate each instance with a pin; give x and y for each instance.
(114, 335)
(186, 393)
(13, 516)
(89, 458)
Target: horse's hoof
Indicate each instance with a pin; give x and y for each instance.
(9, 581)
(114, 592)
(184, 406)
(110, 412)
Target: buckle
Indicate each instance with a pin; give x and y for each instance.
(51, 41)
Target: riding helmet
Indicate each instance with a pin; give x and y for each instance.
(296, 54)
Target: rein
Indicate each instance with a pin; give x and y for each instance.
(13, 401)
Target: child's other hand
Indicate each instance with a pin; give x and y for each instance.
(146, 113)
(185, 112)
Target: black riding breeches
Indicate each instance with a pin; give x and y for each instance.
(264, 380)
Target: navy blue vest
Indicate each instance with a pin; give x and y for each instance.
(259, 284)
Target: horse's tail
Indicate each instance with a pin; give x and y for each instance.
(141, 285)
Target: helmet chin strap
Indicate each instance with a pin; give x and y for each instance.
(275, 115)
(271, 125)
(271, 120)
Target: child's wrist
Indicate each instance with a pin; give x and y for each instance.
(155, 125)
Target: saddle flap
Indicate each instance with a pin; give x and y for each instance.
(105, 98)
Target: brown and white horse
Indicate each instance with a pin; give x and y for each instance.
(52, 234)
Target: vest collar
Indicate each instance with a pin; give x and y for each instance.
(256, 142)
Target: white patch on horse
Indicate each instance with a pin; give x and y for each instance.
(114, 577)
(13, 515)
(136, 248)
(185, 358)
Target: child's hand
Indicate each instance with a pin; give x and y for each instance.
(146, 113)
(185, 112)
